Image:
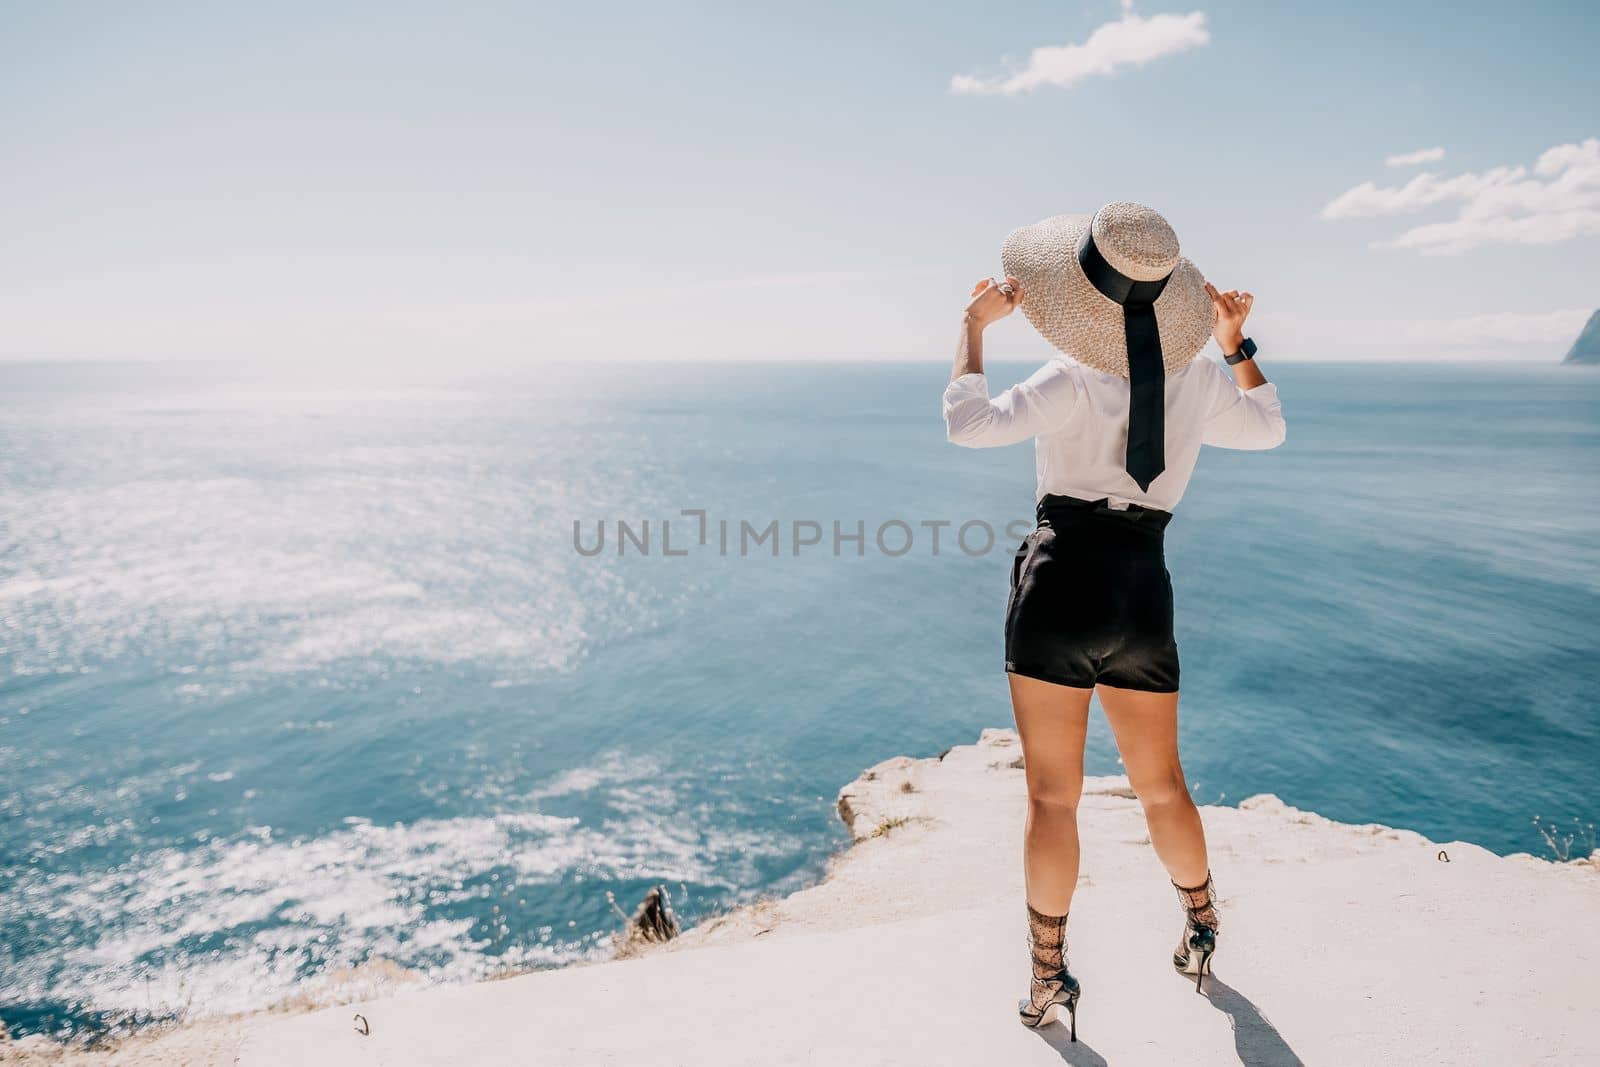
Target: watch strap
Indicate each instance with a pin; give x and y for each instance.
(1247, 350)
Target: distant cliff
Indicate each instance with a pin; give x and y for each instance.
(1586, 349)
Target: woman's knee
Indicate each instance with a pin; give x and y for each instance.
(1055, 797)
(1164, 790)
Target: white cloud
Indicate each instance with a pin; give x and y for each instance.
(1557, 159)
(1559, 200)
(1504, 327)
(1368, 200)
(1131, 41)
(1411, 159)
(1538, 335)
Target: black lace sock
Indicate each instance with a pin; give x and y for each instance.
(1047, 944)
(1199, 903)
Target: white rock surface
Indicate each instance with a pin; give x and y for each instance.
(1340, 945)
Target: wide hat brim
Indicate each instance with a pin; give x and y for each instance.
(1085, 324)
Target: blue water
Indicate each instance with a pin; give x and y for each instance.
(300, 674)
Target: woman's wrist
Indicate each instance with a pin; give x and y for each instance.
(969, 350)
(1231, 342)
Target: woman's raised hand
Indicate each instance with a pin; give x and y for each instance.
(1232, 308)
(993, 300)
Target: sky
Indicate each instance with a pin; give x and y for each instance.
(539, 184)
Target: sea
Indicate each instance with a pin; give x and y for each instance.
(309, 676)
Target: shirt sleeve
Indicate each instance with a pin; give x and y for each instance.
(1042, 404)
(1242, 418)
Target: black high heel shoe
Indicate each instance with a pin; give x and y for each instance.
(1050, 985)
(1199, 940)
(1046, 996)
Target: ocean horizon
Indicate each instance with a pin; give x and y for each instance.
(301, 676)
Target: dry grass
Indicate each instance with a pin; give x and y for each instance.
(884, 828)
(1565, 845)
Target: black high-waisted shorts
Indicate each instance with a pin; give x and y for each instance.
(1091, 599)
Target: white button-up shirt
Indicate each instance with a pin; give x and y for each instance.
(1078, 418)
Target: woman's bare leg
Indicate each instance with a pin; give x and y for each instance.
(1146, 729)
(1052, 721)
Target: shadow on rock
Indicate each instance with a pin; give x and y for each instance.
(1255, 1040)
(1077, 1053)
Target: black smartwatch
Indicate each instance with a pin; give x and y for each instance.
(1246, 351)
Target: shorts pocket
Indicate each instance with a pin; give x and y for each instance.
(1035, 552)
(1020, 560)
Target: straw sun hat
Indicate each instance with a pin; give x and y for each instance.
(1066, 307)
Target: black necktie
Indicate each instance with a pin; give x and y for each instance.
(1146, 457)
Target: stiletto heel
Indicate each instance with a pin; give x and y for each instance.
(1202, 961)
(1199, 941)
